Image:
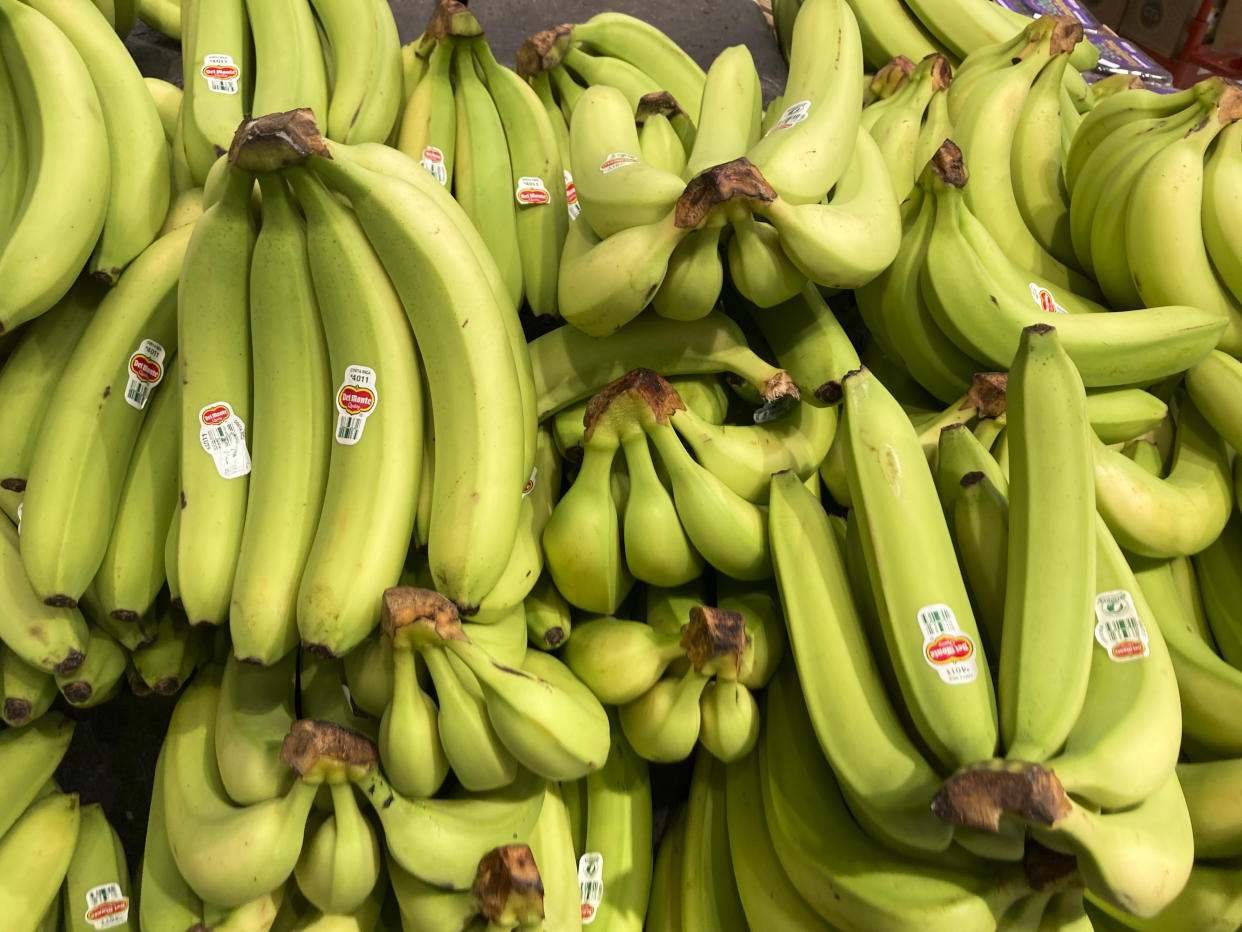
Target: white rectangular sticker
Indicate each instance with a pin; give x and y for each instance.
(945, 648)
(590, 884)
(1118, 628)
(106, 906)
(223, 434)
(355, 400)
(221, 74)
(145, 371)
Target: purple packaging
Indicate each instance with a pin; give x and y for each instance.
(1118, 55)
(1070, 8)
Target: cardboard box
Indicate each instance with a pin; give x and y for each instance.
(1228, 39)
(1159, 25)
(1108, 12)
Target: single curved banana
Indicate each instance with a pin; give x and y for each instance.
(1221, 174)
(229, 855)
(35, 855)
(30, 756)
(619, 659)
(693, 280)
(165, 903)
(1215, 817)
(101, 674)
(29, 376)
(728, 720)
(366, 92)
(1211, 900)
(253, 715)
(1121, 414)
(896, 130)
(428, 129)
(657, 550)
(664, 901)
(97, 884)
(887, 780)
(409, 740)
(1213, 385)
(53, 639)
(483, 171)
(1052, 503)
(423, 905)
(552, 844)
(71, 499)
(1166, 200)
(728, 119)
(292, 427)
(642, 45)
(660, 144)
(853, 237)
(1121, 348)
(759, 268)
(374, 463)
(709, 897)
(166, 665)
(1179, 514)
(340, 864)
(924, 610)
(217, 80)
(979, 516)
(1216, 567)
(809, 149)
(288, 59)
(662, 724)
(594, 70)
(68, 168)
(214, 349)
(850, 879)
(138, 164)
(548, 618)
(13, 165)
(476, 396)
(537, 175)
(569, 365)
(807, 340)
(132, 572)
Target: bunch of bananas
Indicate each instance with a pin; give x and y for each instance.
(84, 175)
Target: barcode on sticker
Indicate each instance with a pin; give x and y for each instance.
(571, 196)
(223, 435)
(793, 115)
(590, 884)
(433, 161)
(221, 74)
(355, 400)
(945, 648)
(144, 372)
(1118, 628)
(1043, 297)
(106, 906)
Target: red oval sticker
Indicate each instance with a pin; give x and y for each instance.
(950, 648)
(146, 368)
(356, 400)
(216, 414)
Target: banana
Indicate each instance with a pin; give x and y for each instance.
(846, 876)
(482, 170)
(769, 900)
(426, 906)
(70, 501)
(165, 666)
(1210, 901)
(582, 540)
(97, 881)
(1220, 186)
(216, 78)
(1035, 164)
(340, 864)
(537, 174)
(13, 164)
(1211, 801)
(369, 674)
(1212, 385)
(1121, 414)
(440, 841)
(660, 144)
(548, 619)
(886, 30)
(253, 716)
(291, 430)
(928, 625)
(552, 844)
(214, 350)
(657, 550)
(99, 677)
(896, 130)
(167, 99)
(728, 120)
(164, 16)
(228, 855)
(709, 897)
(963, 262)
(27, 692)
(760, 269)
(428, 129)
(51, 638)
(807, 340)
(1164, 230)
(663, 723)
(68, 165)
(30, 756)
(937, 127)
(594, 70)
(1179, 514)
(619, 659)
(366, 91)
(809, 148)
(409, 739)
(138, 163)
(728, 719)
(615, 870)
(371, 347)
(1125, 742)
(1051, 503)
(476, 399)
(642, 45)
(35, 854)
(664, 902)
(132, 572)
(284, 34)
(979, 515)
(616, 188)
(29, 376)
(569, 365)
(890, 784)
(853, 237)
(894, 307)
(1216, 567)
(759, 605)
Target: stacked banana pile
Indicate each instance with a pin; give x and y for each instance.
(924, 615)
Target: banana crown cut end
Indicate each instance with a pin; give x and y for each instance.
(657, 102)
(543, 51)
(738, 179)
(435, 616)
(639, 396)
(320, 751)
(987, 393)
(976, 797)
(508, 887)
(714, 639)
(451, 18)
(276, 140)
